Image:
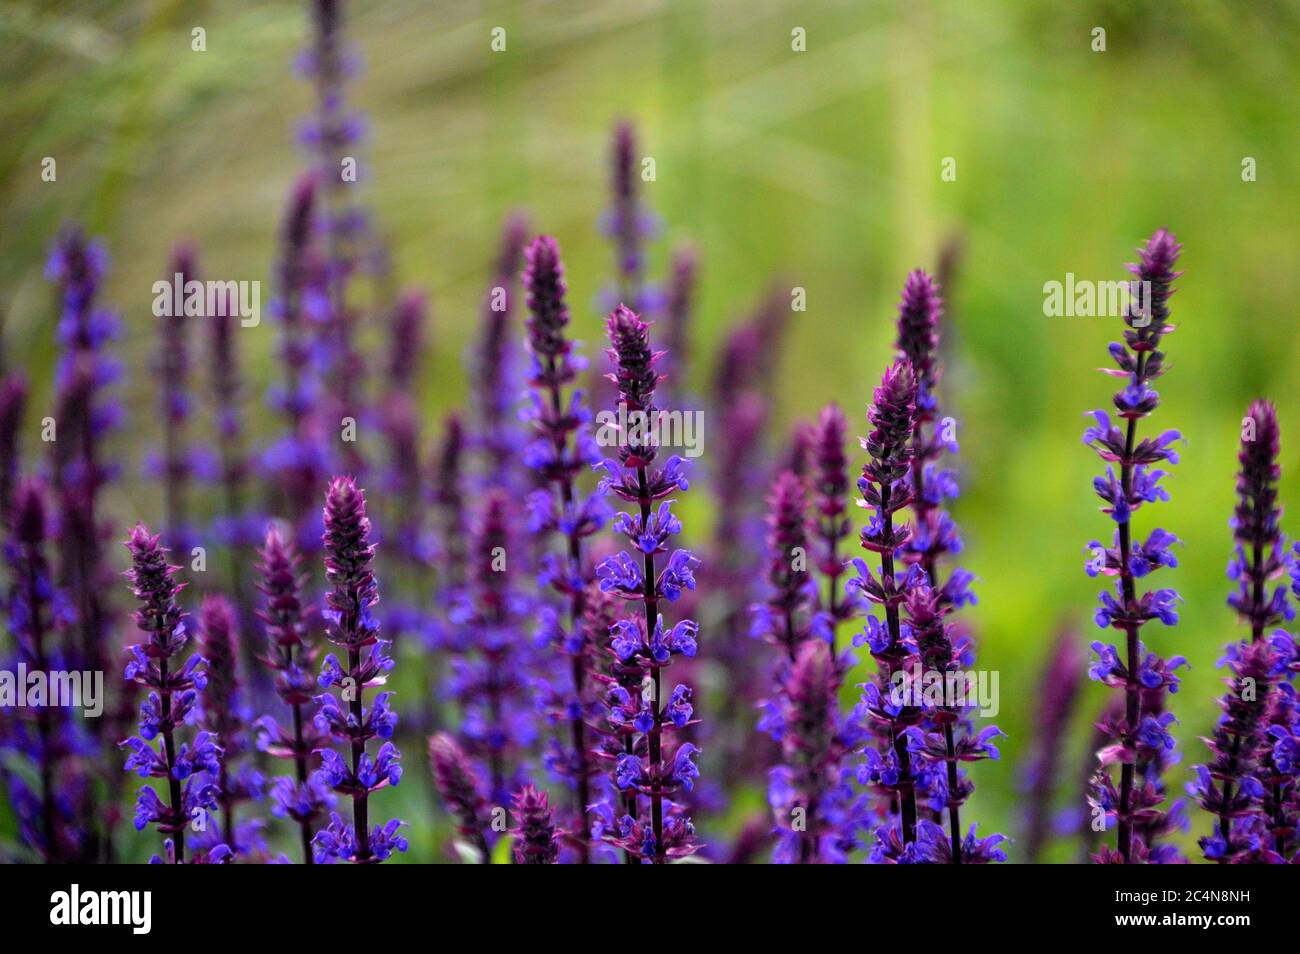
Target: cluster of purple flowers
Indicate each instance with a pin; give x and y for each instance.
(920, 723)
(547, 621)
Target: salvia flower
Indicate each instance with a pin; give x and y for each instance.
(461, 791)
(237, 525)
(562, 447)
(303, 797)
(352, 626)
(811, 793)
(489, 672)
(643, 644)
(830, 495)
(495, 367)
(1059, 688)
(884, 489)
(1139, 361)
(1259, 558)
(297, 462)
(628, 223)
(332, 135)
(43, 735)
(536, 837)
(225, 715)
(177, 463)
(86, 415)
(788, 617)
(173, 682)
(1229, 787)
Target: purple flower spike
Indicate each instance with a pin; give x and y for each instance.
(495, 370)
(646, 770)
(1265, 829)
(830, 486)
(86, 415)
(628, 223)
(536, 837)
(45, 738)
(352, 626)
(787, 617)
(304, 797)
(225, 715)
(174, 685)
(918, 335)
(1059, 689)
(296, 463)
(563, 446)
(1259, 557)
(1230, 787)
(884, 490)
(454, 776)
(677, 321)
(172, 366)
(1135, 805)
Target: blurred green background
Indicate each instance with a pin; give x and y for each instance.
(820, 167)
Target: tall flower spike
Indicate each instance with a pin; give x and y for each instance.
(174, 686)
(628, 223)
(489, 669)
(408, 541)
(86, 414)
(641, 640)
(172, 366)
(677, 321)
(303, 797)
(235, 526)
(830, 486)
(1058, 694)
(786, 619)
(562, 446)
(351, 625)
(741, 473)
(1137, 740)
(884, 490)
(495, 370)
(1259, 558)
(85, 417)
(449, 502)
(332, 136)
(297, 463)
(225, 715)
(461, 790)
(44, 737)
